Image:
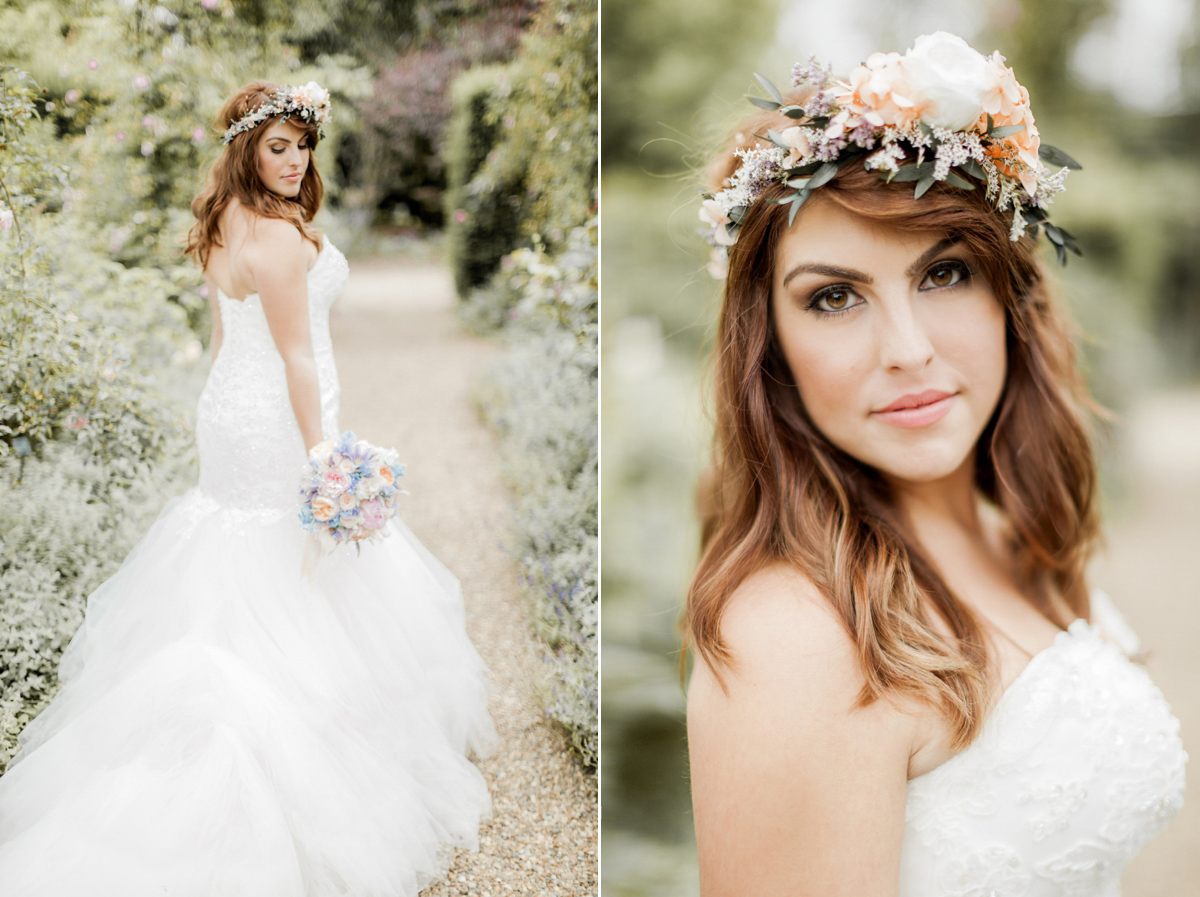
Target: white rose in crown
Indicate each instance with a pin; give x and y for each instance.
(949, 80)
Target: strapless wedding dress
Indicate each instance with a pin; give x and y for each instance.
(229, 728)
(1077, 767)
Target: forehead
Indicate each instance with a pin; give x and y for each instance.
(825, 233)
(283, 129)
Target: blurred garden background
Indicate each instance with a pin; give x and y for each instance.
(464, 134)
(1114, 82)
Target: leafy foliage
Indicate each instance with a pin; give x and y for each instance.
(483, 215)
(541, 397)
(540, 122)
(410, 110)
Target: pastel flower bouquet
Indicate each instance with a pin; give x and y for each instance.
(349, 491)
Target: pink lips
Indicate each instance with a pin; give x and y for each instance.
(918, 409)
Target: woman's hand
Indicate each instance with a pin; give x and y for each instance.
(796, 790)
(276, 257)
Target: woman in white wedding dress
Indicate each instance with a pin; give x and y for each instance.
(902, 684)
(228, 726)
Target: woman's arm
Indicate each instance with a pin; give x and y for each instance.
(795, 790)
(276, 259)
(215, 306)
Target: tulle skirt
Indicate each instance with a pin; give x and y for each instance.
(228, 726)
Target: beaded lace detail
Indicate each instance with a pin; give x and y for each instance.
(1078, 766)
(250, 446)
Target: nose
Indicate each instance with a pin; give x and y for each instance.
(904, 343)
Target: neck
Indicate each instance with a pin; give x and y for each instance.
(933, 508)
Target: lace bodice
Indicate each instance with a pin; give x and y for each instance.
(250, 446)
(1078, 766)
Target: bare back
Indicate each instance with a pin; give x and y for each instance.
(230, 267)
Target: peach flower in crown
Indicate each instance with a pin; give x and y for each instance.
(941, 112)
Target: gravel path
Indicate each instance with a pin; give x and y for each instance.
(407, 371)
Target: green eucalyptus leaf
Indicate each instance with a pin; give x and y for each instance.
(954, 179)
(792, 111)
(737, 214)
(1055, 156)
(923, 185)
(797, 201)
(771, 89)
(925, 129)
(798, 183)
(974, 169)
(912, 171)
(763, 104)
(776, 139)
(1006, 131)
(1053, 233)
(823, 176)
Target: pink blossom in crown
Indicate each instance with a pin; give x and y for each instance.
(941, 112)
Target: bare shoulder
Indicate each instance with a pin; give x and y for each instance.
(796, 788)
(777, 627)
(271, 237)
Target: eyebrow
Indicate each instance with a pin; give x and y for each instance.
(861, 277)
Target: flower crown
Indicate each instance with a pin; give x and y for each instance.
(310, 102)
(941, 112)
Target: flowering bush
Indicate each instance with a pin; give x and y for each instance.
(541, 397)
(410, 112)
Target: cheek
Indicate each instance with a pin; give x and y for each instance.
(830, 375)
(974, 341)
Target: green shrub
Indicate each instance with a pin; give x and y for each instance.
(542, 397)
(549, 121)
(482, 223)
(64, 531)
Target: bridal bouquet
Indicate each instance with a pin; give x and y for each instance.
(348, 489)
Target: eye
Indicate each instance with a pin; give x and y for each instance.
(832, 300)
(945, 274)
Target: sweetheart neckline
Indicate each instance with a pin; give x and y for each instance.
(325, 244)
(1061, 638)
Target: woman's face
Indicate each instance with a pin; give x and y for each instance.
(283, 154)
(896, 345)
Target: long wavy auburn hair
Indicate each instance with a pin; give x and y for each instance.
(235, 174)
(780, 491)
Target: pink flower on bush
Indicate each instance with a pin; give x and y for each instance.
(119, 136)
(208, 4)
(93, 64)
(198, 135)
(147, 148)
(141, 82)
(72, 96)
(460, 216)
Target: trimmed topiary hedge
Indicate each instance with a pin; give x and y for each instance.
(482, 214)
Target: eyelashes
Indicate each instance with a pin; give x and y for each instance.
(839, 298)
(279, 150)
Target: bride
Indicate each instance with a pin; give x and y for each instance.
(227, 725)
(902, 684)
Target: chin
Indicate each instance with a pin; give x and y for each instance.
(923, 466)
